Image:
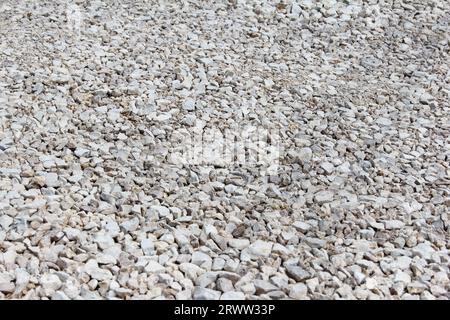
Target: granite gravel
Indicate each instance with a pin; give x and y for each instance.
(101, 199)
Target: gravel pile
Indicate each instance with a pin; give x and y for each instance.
(97, 99)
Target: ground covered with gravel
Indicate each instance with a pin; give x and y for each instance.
(99, 200)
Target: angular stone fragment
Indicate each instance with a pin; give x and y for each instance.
(297, 273)
(205, 294)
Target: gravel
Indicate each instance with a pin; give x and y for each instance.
(235, 150)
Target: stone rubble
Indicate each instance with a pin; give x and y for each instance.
(93, 101)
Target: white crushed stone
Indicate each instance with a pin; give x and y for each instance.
(98, 98)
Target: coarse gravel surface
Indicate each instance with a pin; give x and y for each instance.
(99, 200)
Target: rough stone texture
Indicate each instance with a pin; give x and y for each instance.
(97, 97)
